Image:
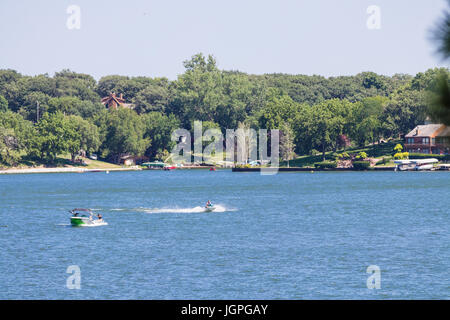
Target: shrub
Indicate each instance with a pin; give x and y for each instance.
(361, 165)
(398, 148)
(361, 155)
(427, 156)
(246, 166)
(343, 156)
(401, 155)
(325, 165)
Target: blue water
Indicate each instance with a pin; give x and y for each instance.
(288, 236)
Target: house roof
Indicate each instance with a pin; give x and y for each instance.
(444, 133)
(117, 100)
(112, 97)
(427, 130)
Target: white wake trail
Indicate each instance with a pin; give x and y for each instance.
(198, 209)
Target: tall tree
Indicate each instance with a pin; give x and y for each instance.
(287, 145)
(152, 98)
(321, 125)
(158, 129)
(19, 131)
(9, 147)
(88, 138)
(279, 109)
(55, 135)
(124, 135)
(366, 120)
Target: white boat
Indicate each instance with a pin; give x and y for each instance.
(425, 164)
(443, 167)
(404, 165)
(210, 208)
(85, 218)
(415, 165)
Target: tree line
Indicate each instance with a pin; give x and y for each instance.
(43, 116)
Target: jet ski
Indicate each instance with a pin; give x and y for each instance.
(209, 207)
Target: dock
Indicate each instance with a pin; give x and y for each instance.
(302, 169)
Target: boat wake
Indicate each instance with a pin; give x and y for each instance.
(198, 209)
(99, 224)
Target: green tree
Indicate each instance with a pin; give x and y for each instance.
(3, 104)
(124, 135)
(198, 91)
(35, 102)
(319, 126)
(406, 109)
(287, 145)
(112, 83)
(9, 147)
(152, 98)
(278, 110)
(18, 134)
(371, 79)
(55, 135)
(87, 138)
(205, 93)
(127, 86)
(69, 83)
(366, 119)
(158, 129)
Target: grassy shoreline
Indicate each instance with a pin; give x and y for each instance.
(65, 170)
(63, 164)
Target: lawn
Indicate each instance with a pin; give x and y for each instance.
(373, 151)
(65, 161)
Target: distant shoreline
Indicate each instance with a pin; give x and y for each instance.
(303, 169)
(136, 168)
(65, 170)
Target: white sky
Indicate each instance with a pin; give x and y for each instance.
(152, 38)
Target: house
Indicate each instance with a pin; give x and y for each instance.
(428, 138)
(443, 139)
(113, 102)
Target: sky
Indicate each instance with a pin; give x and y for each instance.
(153, 38)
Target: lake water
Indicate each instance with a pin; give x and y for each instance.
(288, 236)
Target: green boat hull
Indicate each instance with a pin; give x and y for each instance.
(76, 222)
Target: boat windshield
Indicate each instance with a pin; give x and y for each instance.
(80, 210)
